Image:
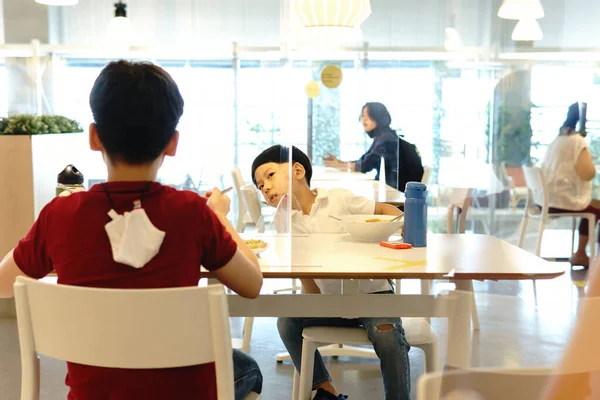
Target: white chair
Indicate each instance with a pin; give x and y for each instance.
(122, 329)
(426, 175)
(537, 207)
(250, 198)
(517, 193)
(460, 200)
(243, 218)
(250, 195)
(484, 383)
(418, 334)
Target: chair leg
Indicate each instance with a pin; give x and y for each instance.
(538, 246)
(296, 385)
(523, 232)
(592, 240)
(573, 227)
(432, 361)
(474, 314)
(306, 371)
(534, 291)
(426, 291)
(248, 323)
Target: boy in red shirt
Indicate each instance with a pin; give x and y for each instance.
(136, 108)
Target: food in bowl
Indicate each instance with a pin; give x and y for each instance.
(256, 244)
(371, 228)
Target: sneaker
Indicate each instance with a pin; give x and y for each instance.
(325, 395)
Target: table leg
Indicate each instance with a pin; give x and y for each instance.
(459, 328)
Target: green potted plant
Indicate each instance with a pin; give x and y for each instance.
(27, 124)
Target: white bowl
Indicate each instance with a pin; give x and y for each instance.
(260, 250)
(363, 231)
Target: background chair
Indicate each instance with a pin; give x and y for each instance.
(243, 218)
(460, 200)
(537, 207)
(121, 328)
(419, 333)
(484, 383)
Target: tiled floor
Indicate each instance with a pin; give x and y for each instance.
(514, 331)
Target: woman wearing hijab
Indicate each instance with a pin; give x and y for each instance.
(569, 171)
(402, 161)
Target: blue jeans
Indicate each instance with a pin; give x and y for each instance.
(246, 375)
(390, 345)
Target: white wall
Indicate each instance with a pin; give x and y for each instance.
(571, 24)
(1, 22)
(24, 20)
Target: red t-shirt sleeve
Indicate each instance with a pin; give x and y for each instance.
(31, 254)
(218, 247)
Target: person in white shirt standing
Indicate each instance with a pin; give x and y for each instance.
(271, 175)
(569, 171)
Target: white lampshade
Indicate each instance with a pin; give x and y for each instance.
(453, 41)
(330, 22)
(527, 30)
(521, 9)
(119, 29)
(58, 2)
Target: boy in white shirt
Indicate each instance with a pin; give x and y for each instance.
(271, 175)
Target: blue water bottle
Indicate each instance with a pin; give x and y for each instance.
(415, 214)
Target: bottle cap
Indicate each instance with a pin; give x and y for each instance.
(70, 176)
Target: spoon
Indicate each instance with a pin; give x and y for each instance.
(398, 218)
(336, 218)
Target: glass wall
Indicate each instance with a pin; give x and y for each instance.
(236, 107)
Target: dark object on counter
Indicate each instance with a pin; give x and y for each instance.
(70, 179)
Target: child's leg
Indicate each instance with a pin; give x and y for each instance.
(389, 342)
(290, 331)
(246, 374)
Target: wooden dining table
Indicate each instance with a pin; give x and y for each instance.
(458, 258)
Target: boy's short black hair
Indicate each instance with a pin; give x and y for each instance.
(280, 155)
(136, 108)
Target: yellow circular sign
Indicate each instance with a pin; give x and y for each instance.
(331, 76)
(312, 89)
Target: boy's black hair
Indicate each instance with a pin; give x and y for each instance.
(136, 108)
(280, 155)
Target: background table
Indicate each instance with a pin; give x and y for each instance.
(371, 189)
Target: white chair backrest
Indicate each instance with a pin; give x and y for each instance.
(538, 188)
(484, 383)
(129, 328)
(460, 198)
(426, 175)
(238, 182)
(250, 196)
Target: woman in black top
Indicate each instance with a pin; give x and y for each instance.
(376, 121)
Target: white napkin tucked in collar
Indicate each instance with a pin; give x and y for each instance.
(134, 240)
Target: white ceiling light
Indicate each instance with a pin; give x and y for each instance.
(58, 2)
(119, 29)
(527, 30)
(330, 22)
(521, 9)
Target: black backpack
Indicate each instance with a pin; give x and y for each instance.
(410, 167)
